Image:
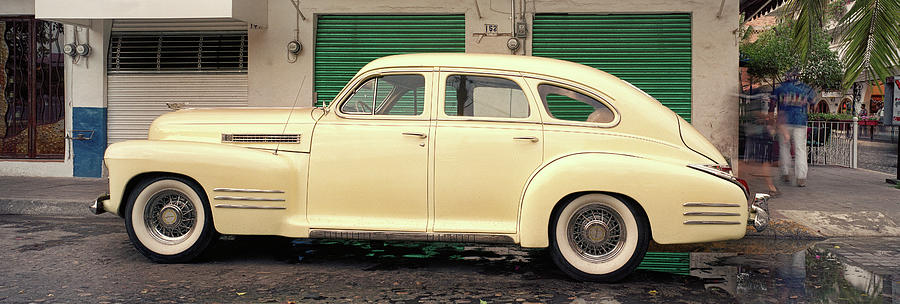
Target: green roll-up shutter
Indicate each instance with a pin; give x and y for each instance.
(671, 262)
(651, 51)
(345, 43)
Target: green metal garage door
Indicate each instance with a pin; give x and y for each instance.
(653, 52)
(345, 43)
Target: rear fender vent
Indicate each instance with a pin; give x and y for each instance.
(261, 138)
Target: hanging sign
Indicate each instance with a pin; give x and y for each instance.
(896, 98)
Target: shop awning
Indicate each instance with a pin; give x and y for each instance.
(81, 12)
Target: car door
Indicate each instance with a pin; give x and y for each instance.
(369, 157)
(488, 142)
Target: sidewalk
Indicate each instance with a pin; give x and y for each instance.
(66, 196)
(838, 202)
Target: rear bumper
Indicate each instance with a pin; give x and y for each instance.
(97, 206)
(759, 212)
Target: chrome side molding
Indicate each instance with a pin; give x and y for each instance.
(410, 236)
(693, 213)
(711, 223)
(249, 207)
(261, 138)
(244, 198)
(246, 190)
(694, 204)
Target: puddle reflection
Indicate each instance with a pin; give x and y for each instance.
(812, 275)
(798, 272)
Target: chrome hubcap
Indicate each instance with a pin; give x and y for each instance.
(170, 216)
(596, 232)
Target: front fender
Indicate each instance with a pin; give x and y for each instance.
(218, 166)
(660, 188)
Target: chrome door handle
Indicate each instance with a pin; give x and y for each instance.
(528, 138)
(419, 135)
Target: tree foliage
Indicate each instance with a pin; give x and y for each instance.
(772, 55)
(870, 42)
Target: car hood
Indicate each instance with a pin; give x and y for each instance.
(264, 128)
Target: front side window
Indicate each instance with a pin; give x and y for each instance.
(483, 96)
(566, 104)
(388, 95)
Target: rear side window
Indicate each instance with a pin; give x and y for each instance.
(566, 104)
(484, 96)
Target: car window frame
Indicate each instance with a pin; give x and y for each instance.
(534, 116)
(348, 90)
(534, 81)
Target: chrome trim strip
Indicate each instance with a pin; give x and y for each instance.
(243, 198)
(249, 207)
(695, 213)
(474, 71)
(711, 223)
(477, 119)
(691, 204)
(261, 138)
(246, 190)
(410, 236)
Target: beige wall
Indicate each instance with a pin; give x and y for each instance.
(274, 81)
(16, 7)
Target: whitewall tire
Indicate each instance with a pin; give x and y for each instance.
(598, 237)
(168, 219)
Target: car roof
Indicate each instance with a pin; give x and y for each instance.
(526, 64)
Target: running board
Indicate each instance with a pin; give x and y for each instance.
(410, 236)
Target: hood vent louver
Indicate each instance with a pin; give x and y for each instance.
(261, 138)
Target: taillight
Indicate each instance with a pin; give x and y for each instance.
(725, 169)
(744, 183)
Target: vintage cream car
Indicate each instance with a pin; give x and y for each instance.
(438, 147)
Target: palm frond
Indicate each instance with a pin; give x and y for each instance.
(871, 40)
(808, 19)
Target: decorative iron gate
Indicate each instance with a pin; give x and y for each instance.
(832, 143)
(32, 91)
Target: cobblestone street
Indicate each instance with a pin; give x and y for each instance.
(878, 156)
(90, 260)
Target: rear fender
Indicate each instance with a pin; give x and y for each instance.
(659, 188)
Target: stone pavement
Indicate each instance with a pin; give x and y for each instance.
(838, 202)
(69, 196)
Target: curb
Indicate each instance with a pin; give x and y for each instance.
(12, 206)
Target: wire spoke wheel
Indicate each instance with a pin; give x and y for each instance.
(170, 216)
(598, 237)
(168, 219)
(596, 232)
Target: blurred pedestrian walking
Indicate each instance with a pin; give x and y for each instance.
(759, 132)
(794, 98)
